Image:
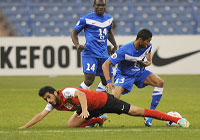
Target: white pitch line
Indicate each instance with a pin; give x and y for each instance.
(100, 130)
(18, 89)
(37, 89)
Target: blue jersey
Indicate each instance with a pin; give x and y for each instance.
(126, 57)
(96, 30)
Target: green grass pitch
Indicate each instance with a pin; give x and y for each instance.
(19, 102)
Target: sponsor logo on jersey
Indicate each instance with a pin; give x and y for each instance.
(114, 56)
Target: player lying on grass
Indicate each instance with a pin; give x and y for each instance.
(90, 104)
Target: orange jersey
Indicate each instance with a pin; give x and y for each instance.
(95, 100)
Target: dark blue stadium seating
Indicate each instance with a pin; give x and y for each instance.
(58, 17)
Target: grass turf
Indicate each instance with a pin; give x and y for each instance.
(20, 102)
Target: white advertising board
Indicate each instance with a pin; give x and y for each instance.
(57, 56)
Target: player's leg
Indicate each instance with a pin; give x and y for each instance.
(155, 81)
(123, 85)
(118, 106)
(89, 79)
(148, 78)
(89, 70)
(117, 91)
(137, 111)
(75, 121)
(95, 120)
(102, 85)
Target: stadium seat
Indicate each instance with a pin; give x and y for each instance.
(57, 18)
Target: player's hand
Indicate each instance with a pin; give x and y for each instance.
(84, 114)
(80, 48)
(22, 127)
(144, 63)
(110, 87)
(147, 63)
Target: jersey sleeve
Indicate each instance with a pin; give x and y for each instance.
(150, 48)
(118, 56)
(49, 107)
(69, 92)
(111, 25)
(80, 24)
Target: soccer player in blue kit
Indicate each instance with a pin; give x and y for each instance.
(97, 28)
(131, 69)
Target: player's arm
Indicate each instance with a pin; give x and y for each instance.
(112, 40)
(146, 63)
(35, 119)
(105, 68)
(74, 37)
(83, 101)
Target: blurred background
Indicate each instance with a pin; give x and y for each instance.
(58, 17)
(40, 42)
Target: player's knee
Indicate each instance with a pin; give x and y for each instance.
(136, 111)
(70, 125)
(116, 94)
(89, 79)
(160, 83)
(89, 82)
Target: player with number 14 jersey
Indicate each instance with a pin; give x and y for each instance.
(96, 34)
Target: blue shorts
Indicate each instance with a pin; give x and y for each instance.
(127, 81)
(93, 65)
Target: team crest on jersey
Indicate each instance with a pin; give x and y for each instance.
(78, 23)
(114, 56)
(69, 106)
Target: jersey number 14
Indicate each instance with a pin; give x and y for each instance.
(102, 33)
(90, 68)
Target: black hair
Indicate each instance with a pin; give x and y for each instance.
(46, 89)
(144, 34)
(95, 2)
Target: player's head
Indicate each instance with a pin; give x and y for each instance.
(99, 7)
(144, 34)
(144, 37)
(49, 94)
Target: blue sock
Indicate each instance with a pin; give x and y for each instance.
(156, 96)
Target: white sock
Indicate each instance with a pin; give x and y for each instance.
(101, 87)
(84, 86)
